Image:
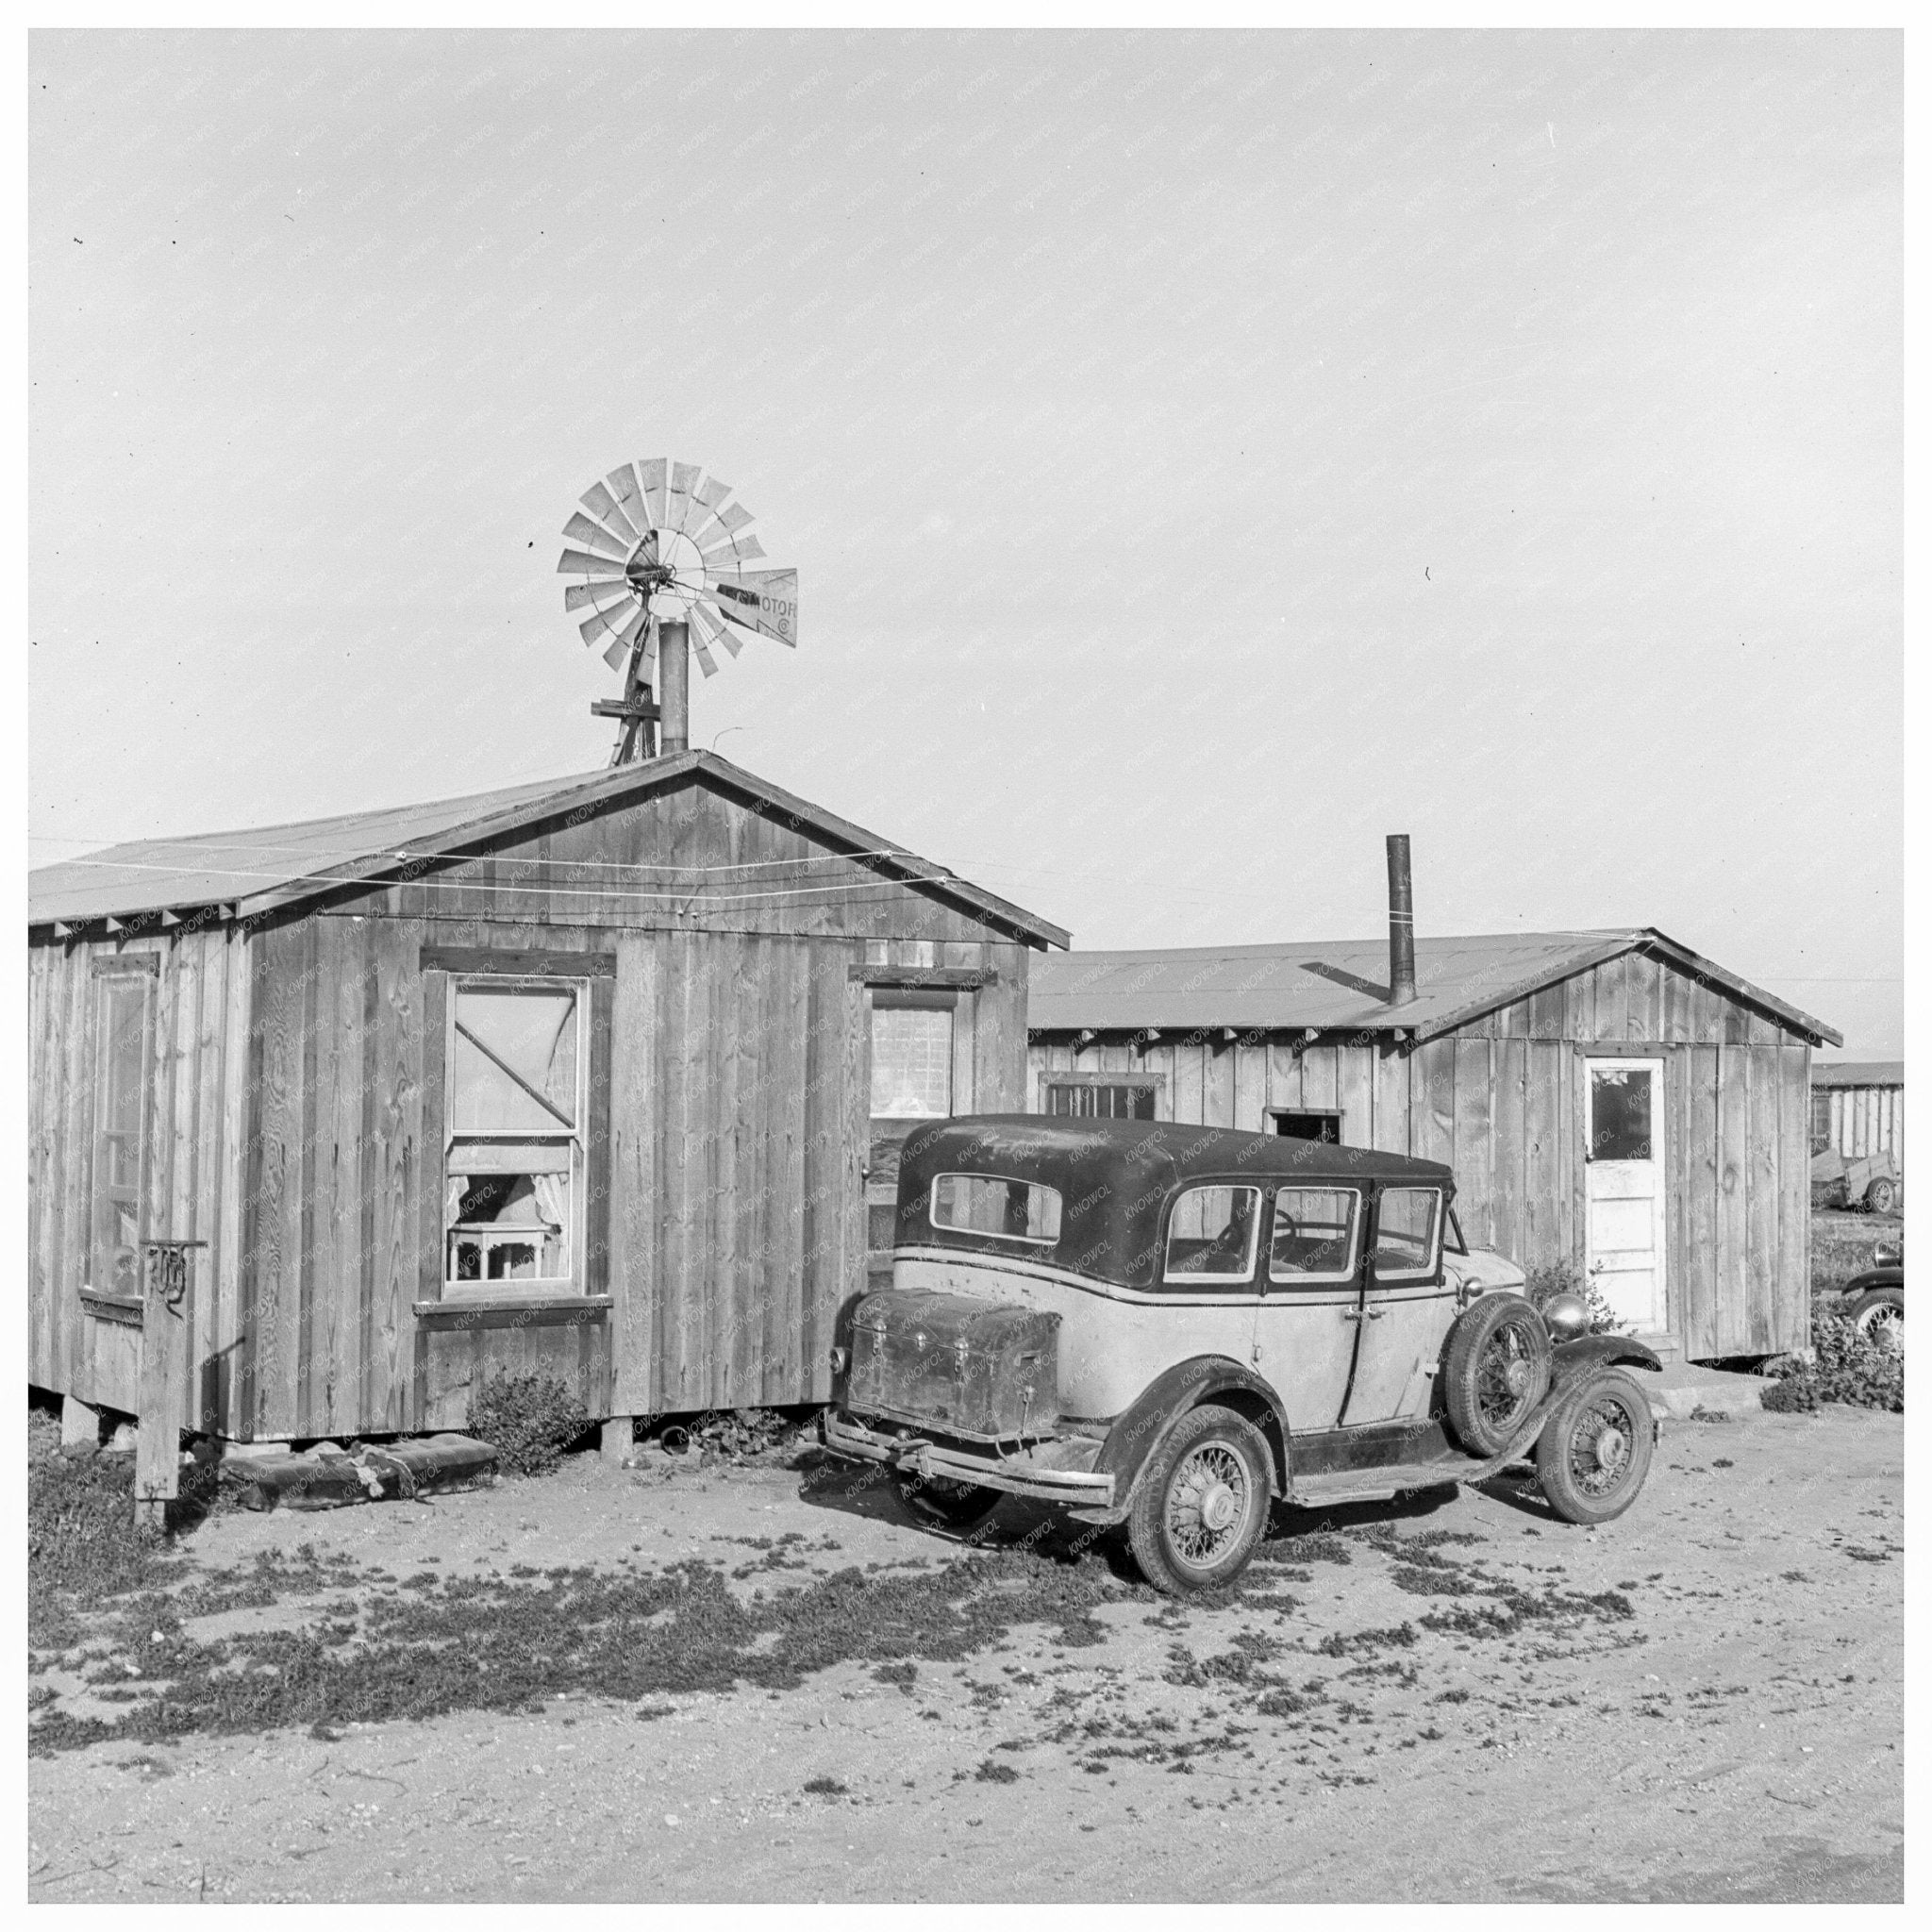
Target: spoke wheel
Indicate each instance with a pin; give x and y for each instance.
(1495, 1370)
(1880, 1317)
(1201, 1505)
(1595, 1452)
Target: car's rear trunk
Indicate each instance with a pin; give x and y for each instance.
(985, 1372)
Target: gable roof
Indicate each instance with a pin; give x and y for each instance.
(1342, 984)
(1859, 1074)
(267, 868)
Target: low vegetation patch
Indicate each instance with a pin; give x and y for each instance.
(529, 1420)
(1850, 1368)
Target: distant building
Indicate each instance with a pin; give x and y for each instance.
(1608, 1100)
(1859, 1110)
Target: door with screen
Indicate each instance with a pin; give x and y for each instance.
(1624, 1166)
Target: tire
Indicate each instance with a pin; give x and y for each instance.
(939, 1502)
(1881, 1197)
(1595, 1452)
(1495, 1370)
(1201, 1505)
(1879, 1315)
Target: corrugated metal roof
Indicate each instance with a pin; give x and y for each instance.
(1341, 985)
(270, 866)
(1859, 1074)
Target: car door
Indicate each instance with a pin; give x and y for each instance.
(1306, 1316)
(1406, 1309)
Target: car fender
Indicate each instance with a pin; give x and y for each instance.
(1893, 1278)
(1142, 1425)
(1570, 1362)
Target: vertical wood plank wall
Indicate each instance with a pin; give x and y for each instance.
(290, 1113)
(1502, 1103)
(191, 1182)
(1867, 1121)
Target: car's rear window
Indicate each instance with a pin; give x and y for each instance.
(996, 1207)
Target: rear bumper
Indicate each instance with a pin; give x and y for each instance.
(1026, 1475)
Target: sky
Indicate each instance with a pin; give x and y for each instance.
(1202, 454)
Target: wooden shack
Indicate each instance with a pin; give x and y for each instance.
(1859, 1112)
(1609, 1101)
(582, 1077)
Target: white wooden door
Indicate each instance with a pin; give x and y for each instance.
(1624, 1166)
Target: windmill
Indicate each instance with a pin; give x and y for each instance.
(659, 553)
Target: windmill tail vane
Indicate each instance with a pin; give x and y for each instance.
(657, 557)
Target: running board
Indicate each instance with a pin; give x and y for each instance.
(1323, 1491)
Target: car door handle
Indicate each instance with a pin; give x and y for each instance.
(1361, 1314)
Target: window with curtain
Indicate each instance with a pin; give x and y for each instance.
(514, 1124)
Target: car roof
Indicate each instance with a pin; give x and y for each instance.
(1115, 1179)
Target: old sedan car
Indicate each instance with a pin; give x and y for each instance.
(1167, 1327)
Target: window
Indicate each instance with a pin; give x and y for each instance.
(1211, 1234)
(122, 1082)
(1619, 1113)
(980, 1204)
(1314, 1236)
(1112, 1100)
(1821, 1121)
(1306, 1124)
(911, 1060)
(513, 1171)
(1408, 1234)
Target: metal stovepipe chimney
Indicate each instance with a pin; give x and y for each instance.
(1401, 923)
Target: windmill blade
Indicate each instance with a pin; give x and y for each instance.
(605, 507)
(708, 663)
(684, 479)
(648, 637)
(594, 625)
(728, 556)
(580, 529)
(583, 563)
(734, 516)
(651, 476)
(621, 646)
(623, 486)
(713, 493)
(765, 601)
(577, 596)
(713, 630)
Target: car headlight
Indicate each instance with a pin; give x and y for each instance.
(1887, 1254)
(839, 1361)
(1565, 1316)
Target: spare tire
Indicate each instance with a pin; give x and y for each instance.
(1495, 1370)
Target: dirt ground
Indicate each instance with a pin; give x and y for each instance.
(1732, 1732)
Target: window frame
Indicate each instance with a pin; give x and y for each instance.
(1432, 1268)
(1232, 1281)
(576, 1285)
(1071, 1079)
(895, 999)
(1358, 1218)
(143, 971)
(1008, 1180)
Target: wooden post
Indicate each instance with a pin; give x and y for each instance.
(163, 1368)
(614, 1438)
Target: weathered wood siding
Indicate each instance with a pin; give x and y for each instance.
(297, 1122)
(191, 1177)
(1502, 1102)
(1867, 1121)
